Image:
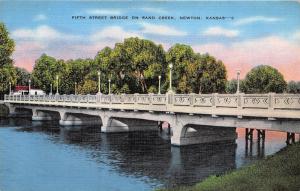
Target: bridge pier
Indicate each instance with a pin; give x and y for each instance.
(290, 138)
(117, 125)
(11, 109)
(196, 134)
(38, 115)
(76, 119)
(260, 142)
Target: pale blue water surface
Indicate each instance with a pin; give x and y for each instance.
(46, 157)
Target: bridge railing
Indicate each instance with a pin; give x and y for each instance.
(257, 101)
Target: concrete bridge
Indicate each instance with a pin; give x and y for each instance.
(192, 118)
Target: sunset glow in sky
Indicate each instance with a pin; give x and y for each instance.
(259, 33)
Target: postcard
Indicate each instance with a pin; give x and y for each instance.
(149, 95)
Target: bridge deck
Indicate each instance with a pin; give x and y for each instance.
(284, 106)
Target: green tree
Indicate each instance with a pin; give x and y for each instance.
(7, 46)
(88, 87)
(209, 75)
(7, 71)
(231, 86)
(293, 87)
(197, 73)
(45, 70)
(264, 79)
(23, 76)
(137, 63)
(182, 57)
(76, 71)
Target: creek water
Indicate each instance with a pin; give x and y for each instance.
(44, 156)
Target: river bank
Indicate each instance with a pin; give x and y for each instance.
(3, 111)
(280, 171)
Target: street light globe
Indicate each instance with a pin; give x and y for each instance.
(238, 72)
(171, 66)
(109, 80)
(99, 73)
(29, 81)
(159, 77)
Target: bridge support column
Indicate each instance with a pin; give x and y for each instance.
(261, 134)
(290, 138)
(116, 125)
(40, 116)
(11, 109)
(77, 119)
(195, 134)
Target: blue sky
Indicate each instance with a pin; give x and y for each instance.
(259, 33)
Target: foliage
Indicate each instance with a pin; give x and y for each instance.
(136, 63)
(231, 86)
(264, 79)
(45, 70)
(7, 46)
(194, 72)
(7, 71)
(133, 67)
(23, 76)
(212, 76)
(182, 57)
(293, 87)
(88, 87)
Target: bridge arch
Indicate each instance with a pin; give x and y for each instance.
(45, 115)
(119, 124)
(79, 118)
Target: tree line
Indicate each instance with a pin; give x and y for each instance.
(134, 66)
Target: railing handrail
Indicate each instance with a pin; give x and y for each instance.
(241, 100)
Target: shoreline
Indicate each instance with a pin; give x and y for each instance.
(280, 171)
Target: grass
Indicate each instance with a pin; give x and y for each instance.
(279, 172)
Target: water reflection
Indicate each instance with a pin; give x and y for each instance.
(145, 155)
(141, 154)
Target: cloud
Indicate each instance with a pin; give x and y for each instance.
(163, 30)
(273, 50)
(104, 11)
(154, 10)
(254, 19)
(113, 34)
(296, 35)
(41, 33)
(40, 17)
(219, 31)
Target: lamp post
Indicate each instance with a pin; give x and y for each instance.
(109, 80)
(238, 72)
(57, 85)
(159, 78)
(75, 91)
(29, 87)
(170, 66)
(99, 82)
(9, 88)
(50, 89)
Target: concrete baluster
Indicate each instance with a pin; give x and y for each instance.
(240, 104)
(214, 104)
(170, 100)
(136, 101)
(192, 99)
(271, 100)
